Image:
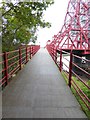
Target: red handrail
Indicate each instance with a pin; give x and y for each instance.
(12, 62)
(70, 73)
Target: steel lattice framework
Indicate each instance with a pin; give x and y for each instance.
(75, 33)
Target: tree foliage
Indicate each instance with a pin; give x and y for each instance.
(20, 21)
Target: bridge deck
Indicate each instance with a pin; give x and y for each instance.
(39, 91)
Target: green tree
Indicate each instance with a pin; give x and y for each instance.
(20, 21)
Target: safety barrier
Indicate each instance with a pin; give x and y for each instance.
(13, 61)
(80, 85)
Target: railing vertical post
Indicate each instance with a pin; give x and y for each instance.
(60, 60)
(6, 66)
(53, 52)
(70, 69)
(30, 51)
(49, 49)
(26, 55)
(33, 50)
(55, 56)
(20, 59)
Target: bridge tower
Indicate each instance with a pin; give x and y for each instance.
(75, 33)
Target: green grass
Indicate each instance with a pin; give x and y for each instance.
(83, 88)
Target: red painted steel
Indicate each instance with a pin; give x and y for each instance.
(13, 61)
(74, 36)
(26, 54)
(75, 32)
(20, 59)
(70, 74)
(60, 61)
(70, 69)
(6, 66)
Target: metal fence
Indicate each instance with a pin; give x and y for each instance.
(74, 80)
(13, 61)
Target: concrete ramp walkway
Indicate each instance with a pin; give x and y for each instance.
(39, 91)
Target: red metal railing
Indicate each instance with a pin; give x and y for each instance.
(13, 61)
(71, 72)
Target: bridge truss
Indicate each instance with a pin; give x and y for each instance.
(75, 32)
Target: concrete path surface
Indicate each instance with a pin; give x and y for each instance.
(39, 91)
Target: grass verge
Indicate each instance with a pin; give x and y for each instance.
(83, 88)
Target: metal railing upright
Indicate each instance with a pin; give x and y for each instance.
(13, 61)
(80, 86)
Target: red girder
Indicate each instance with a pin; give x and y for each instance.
(75, 33)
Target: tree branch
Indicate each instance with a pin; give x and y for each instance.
(8, 10)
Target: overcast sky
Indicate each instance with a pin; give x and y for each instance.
(55, 14)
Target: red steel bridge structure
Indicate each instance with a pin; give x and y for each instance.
(73, 39)
(75, 32)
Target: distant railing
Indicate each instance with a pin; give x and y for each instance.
(74, 79)
(13, 61)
